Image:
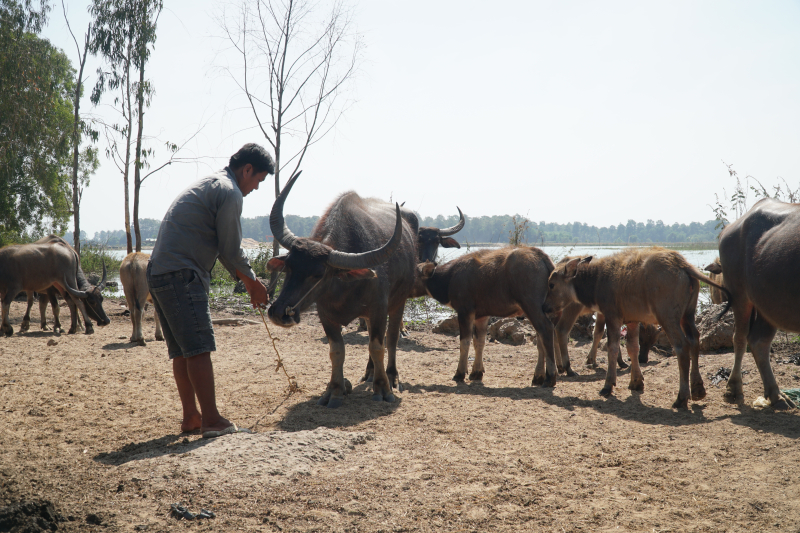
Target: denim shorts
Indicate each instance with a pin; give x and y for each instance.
(182, 304)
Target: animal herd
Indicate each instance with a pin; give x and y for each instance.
(366, 257)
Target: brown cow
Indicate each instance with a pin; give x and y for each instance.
(650, 285)
(717, 296)
(503, 282)
(759, 255)
(132, 274)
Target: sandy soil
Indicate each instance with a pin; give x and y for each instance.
(91, 424)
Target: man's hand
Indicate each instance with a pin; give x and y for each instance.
(258, 294)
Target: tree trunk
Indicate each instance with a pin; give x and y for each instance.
(137, 176)
(76, 139)
(275, 244)
(128, 150)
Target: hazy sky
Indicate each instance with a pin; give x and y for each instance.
(562, 111)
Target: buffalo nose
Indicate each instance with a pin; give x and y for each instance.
(547, 308)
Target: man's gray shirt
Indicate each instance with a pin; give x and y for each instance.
(203, 223)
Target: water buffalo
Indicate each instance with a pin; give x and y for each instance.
(93, 301)
(37, 267)
(650, 285)
(759, 255)
(334, 268)
(132, 275)
(503, 282)
(717, 296)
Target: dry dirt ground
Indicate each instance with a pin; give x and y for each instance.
(91, 424)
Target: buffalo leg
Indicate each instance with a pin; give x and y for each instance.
(51, 296)
(159, 335)
(479, 341)
(381, 388)
(632, 346)
(599, 327)
(392, 336)
(760, 339)
(682, 347)
(43, 300)
(26, 320)
(465, 322)
(546, 332)
(693, 339)
(6, 327)
(136, 309)
(734, 392)
(612, 330)
(338, 386)
(369, 372)
(561, 344)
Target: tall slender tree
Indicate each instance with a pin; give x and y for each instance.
(296, 61)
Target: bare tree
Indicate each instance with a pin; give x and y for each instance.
(76, 131)
(295, 64)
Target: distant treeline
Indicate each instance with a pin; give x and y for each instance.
(496, 229)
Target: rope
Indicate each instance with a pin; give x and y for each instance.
(293, 386)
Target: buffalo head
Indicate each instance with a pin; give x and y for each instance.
(431, 238)
(93, 299)
(561, 291)
(310, 266)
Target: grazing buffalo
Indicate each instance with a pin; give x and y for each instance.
(37, 267)
(93, 301)
(759, 255)
(503, 282)
(334, 268)
(717, 296)
(652, 286)
(132, 274)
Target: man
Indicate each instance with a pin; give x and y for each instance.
(202, 225)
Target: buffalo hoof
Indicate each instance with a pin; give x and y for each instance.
(25, 326)
(394, 381)
(622, 364)
(8, 331)
(378, 397)
(72, 330)
(367, 378)
(636, 386)
(537, 380)
(571, 373)
(606, 391)
(89, 330)
(549, 381)
(681, 403)
(159, 337)
(643, 359)
(698, 392)
(783, 404)
(590, 363)
(348, 387)
(733, 397)
(475, 376)
(459, 377)
(330, 401)
(141, 342)
(44, 327)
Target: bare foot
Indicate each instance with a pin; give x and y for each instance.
(191, 423)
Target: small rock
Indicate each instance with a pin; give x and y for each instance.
(448, 326)
(52, 342)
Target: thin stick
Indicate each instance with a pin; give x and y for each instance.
(293, 386)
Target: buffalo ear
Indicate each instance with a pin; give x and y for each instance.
(586, 259)
(276, 263)
(714, 268)
(572, 267)
(355, 275)
(449, 242)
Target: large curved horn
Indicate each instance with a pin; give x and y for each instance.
(73, 292)
(348, 261)
(103, 281)
(280, 231)
(446, 232)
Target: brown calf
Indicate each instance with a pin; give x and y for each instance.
(132, 274)
(504, 282)
(650, 285)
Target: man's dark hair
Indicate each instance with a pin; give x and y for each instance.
(254, 154)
